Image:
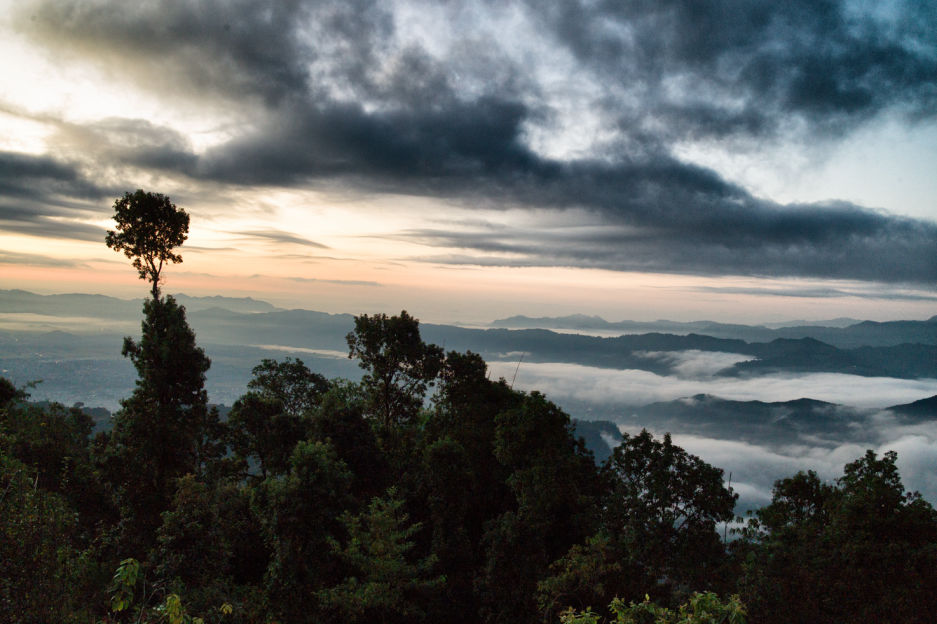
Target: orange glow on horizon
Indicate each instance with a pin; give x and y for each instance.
(447, 293)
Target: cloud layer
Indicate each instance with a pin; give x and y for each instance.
(755, 468)
(636, 387)
(576, 107)
(755, 452)
(43, 196)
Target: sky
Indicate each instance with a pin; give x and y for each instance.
(733, 160)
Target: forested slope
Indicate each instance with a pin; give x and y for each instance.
(324, 500)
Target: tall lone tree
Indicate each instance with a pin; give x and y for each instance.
(148, 227)
(164, 430)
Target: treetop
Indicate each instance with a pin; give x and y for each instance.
(149, 226)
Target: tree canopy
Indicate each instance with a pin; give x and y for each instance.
(399, 365)
(149, 227)
(859, 550)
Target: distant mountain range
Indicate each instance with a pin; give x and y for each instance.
(779, 424)
(102, 306)
(840, 332)
(62, 339)
(585, 321)
(755, 422)
(924, 409)
(73, 343)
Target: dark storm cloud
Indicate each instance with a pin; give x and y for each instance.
(209, 47)
(42, 196)
(233, 47)
(430, 151)
(721, 67)
(32, 178)
(711, 238)
(130, 142)
(337, 93)
(43, 226)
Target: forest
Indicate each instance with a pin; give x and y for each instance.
(426, 492)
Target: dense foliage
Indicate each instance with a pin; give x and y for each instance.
(860, 550)
(331, 501)
(148, 227)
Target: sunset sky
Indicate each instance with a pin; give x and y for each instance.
(735, 160)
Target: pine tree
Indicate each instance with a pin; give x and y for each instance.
(383, 584)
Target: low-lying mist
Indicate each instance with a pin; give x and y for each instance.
(755, 444)
(638, 387)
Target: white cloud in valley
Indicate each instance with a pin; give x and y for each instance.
(637, 387)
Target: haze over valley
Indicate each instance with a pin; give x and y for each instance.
(759, 402)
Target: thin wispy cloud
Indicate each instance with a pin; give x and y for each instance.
(279, 237)
(693, 364)
(38, 260)
(821, 293)
(315, 280)
(335, 281)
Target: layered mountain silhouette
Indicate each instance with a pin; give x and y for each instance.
(840, 332)
(64, 339)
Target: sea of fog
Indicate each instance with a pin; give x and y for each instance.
(752, 468)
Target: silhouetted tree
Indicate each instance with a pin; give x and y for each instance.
(149, 226)
(55, 442)
(290, 382)
(463, 486)
(862, 550)
(555, 486)
(165, 429)
(662, 510)
(399, 365)
(36, 551)
(588, 576)
(261, 431)
(339, 420)
(266, 422)
(658, 530)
